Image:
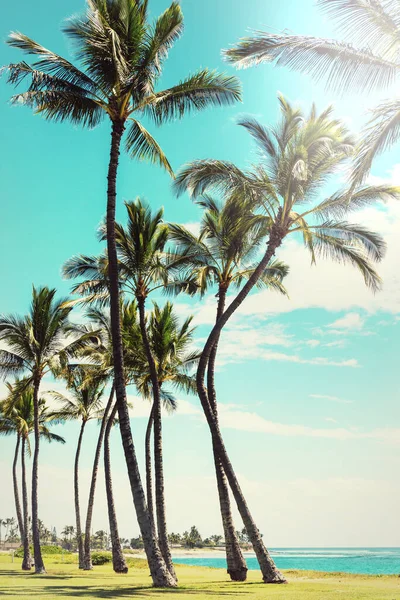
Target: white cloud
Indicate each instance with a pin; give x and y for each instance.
(330, 398)
(350, 321)
(193, 227)
(313, 343)
(253, 422)
(329, 285)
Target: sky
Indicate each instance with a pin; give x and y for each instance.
(308, 385)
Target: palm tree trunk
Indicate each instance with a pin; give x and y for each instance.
(236, 564)
(149, 477)
(159, 572)
(16, 490)
(268, 568)
(158, 458)
(87, 559)
(119, 563)
(76, 495)
(39, 565)
(27, 560)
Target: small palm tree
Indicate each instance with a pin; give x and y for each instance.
(221, 257)
(370, 61)
(83, 403)
(170, 345)
(38, 343)
(120, 57)
(18, 416)
(297, 158)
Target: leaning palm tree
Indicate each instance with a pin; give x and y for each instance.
(8, 426)
(83, 403)
(221, 257)
(371, 61)
(119, 62)
(170, 343)
(17, 416)
(298, 156)
(37, 344)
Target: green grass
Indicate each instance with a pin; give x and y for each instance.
(64, 581)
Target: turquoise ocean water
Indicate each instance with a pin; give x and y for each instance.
(373, 561)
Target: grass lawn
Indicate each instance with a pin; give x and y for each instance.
(64, 581)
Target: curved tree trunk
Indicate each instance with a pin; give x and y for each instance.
(149, 476)
(27, 560)
(87, 559)
(158, 457)
(119, 563)
(76, 498)
(236, 564)
(159, 572)
(16, 490)
(268, 568)
(39, 565)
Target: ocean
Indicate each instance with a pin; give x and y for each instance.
(371, 561)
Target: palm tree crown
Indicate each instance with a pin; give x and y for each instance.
(119, 61)
(370, 61)
(297, 158)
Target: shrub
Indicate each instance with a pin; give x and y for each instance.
(101, 558)
(46, 550)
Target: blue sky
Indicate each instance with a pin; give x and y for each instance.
(308, 386)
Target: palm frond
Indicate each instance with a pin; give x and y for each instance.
(342, 65)
(141, 144)
(197, 92)
(381, 133)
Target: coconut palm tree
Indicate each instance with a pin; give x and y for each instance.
(170, 343)
(120, 55)
(18, 416)
(83, 403)
(37, 344)
(369, 60)
(222, 256)
(100, 354)
(298, 156)
(119, 562)
(145, 265)
(8, 427)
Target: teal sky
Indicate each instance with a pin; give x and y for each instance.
(308, 386)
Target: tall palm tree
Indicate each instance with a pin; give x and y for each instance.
(170, 343)
(142, 252)
(120, 57)
(83, 403)
(297, 158)
(223, 256)
(37, 344)
(119, 562)
(369, 60)
(17, 416)
(8, 427)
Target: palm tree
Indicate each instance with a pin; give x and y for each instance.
(100, 354)
(370, 61)
(120, 56)
(297, 158)
(119, 562)
(142, 252)
(223, 256)
(8, 427)
(170, 344)
(144, 266)
(83, 403)
(38, 344)
(18, 416)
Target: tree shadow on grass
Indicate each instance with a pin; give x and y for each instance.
(94, 592)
